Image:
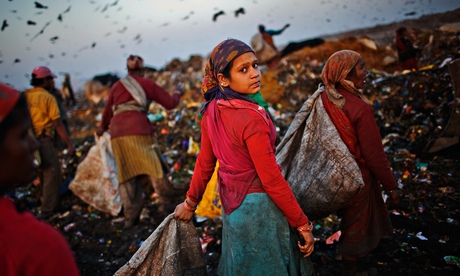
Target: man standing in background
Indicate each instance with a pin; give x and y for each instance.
(46, 120)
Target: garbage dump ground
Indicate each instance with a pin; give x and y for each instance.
(411, 108)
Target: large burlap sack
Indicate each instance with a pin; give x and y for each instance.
(264, 52)
(320, 169)
(96, 179)
(173, 249)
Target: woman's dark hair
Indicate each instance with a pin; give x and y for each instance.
(12, 119)
(35, 82)
(226, 72)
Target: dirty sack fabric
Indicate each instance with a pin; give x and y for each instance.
(172, 249)
(317, 164)
(96, 179)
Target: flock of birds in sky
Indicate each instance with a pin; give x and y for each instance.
(60, 18)
(104, 9)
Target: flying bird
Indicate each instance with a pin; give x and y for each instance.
(217, 14)
(122, 30)
(93, 45)
(41, 31)
(59, 17)
(105, 8)
(30, 22)
(17, 60)
(40, 6)
(410, 13)
(4, 25)
(239, 11)
(53, 39)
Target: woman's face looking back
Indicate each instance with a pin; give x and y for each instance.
(244, 75)
(360, 74)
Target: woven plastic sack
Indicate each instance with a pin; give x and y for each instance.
(96, 180)
(317, 164)
(173, 249)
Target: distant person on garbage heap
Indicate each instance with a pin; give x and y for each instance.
(407, 52)
(28, 246)
(133, 144)
(258, 205)
(68, 92)
(46, 121)
(264, 46)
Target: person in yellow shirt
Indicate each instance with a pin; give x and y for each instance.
(46, 120)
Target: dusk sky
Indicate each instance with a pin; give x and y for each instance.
(90, 37)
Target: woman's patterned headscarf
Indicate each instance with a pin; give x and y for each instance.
(222, 55)
(335, 71)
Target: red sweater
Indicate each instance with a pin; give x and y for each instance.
(133, 122)
(370, 142)
(31, 247)
(250, 154)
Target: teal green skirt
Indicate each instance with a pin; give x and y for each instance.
(257, 240)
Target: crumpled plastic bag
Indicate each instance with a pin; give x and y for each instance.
(173, 249)
(96, 178)
(316, 163)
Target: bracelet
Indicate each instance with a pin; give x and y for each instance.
(306, 228)
(188, 207)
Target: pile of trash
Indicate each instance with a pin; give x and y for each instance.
(411, 109)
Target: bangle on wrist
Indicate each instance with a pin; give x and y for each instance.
(306, 228)
(188, 207)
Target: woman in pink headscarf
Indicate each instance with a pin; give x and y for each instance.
(365, 220)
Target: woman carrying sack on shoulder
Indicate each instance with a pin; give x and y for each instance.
(259, 207)
(365, 220)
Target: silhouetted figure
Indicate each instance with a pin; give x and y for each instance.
(407, 52)
(67, 91)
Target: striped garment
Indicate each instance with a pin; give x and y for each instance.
(135, 155)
